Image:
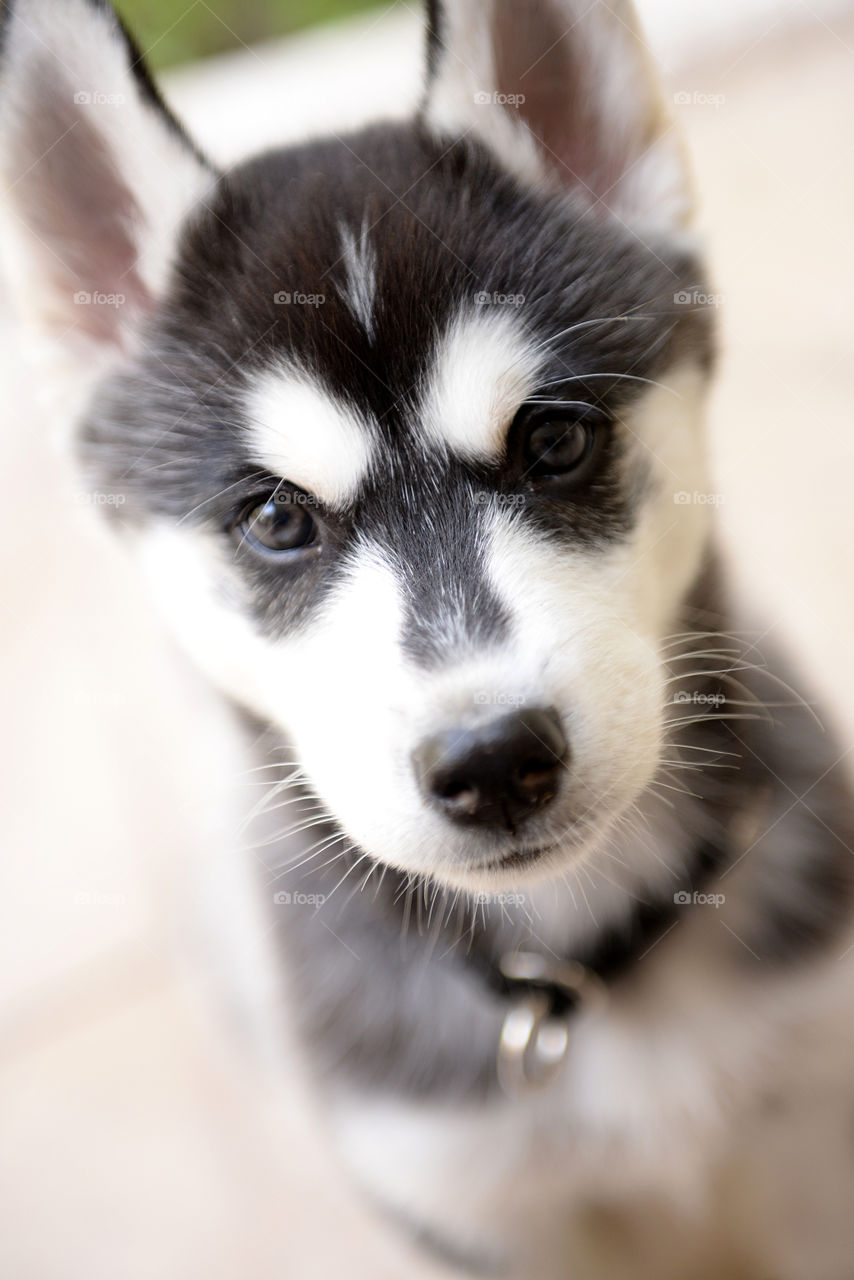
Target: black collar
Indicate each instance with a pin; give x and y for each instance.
(616, 949)
(543, 992)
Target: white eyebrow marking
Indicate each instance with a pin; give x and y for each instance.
(301, 433)
(360, 266)
(485, 368)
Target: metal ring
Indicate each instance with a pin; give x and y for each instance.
(534, 1042)
(550, 971)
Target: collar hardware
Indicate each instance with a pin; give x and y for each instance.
(541, 993)
(546, 993)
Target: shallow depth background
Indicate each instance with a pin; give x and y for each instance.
(171, 33)
(135, 1137)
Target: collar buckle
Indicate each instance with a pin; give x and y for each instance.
(535, 1033)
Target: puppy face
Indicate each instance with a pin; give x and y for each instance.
(400, 430)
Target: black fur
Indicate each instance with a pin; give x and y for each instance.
(167, 431)
(433, 36)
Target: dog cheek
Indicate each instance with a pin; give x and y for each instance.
(617, 717)
(579, 638)
(188, 581)
(336, 689)
(345, 705)
(673, 530)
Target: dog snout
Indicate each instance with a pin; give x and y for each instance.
(497, 774)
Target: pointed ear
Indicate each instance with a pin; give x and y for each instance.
(564, 93)
(95, 174)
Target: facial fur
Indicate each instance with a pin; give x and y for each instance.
(360, 326)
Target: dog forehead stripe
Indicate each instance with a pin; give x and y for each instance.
(360, 267)
(300, 432)
(485, 367)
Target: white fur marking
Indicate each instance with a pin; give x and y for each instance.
(360, 265)
(302, 434)
(485, 368)
(585, 633)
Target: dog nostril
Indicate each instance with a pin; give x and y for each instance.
(498, 774)
(534, 774)
(452, 789)
(459, 800)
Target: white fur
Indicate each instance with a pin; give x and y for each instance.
(484, 369)
(360, 265)
(300, 433)
(584, 638)
(657, 1117)
(469, 73)
(81, 51)
(651, 191)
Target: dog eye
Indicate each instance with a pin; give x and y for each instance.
(278, 525)
(557, 443)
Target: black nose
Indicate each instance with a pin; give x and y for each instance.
(497, 774)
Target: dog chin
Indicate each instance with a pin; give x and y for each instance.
(517, 867)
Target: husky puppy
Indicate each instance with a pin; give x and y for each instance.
(407, 427)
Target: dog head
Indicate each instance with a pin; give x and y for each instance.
(401, 419)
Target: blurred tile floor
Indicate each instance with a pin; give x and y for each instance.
(135, 1140)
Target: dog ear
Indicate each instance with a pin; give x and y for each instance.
(564, 93)
(96, 174)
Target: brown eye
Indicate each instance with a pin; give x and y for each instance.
(278, 526)
(557, 444)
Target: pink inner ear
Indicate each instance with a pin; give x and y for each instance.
(549, 59)
(76, 203)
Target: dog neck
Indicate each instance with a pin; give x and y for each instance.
(399, 972)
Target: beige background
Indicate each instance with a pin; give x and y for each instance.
(136, 1139)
